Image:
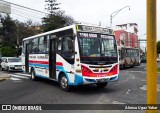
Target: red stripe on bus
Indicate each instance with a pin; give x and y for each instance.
(59, 63)
(45, 62)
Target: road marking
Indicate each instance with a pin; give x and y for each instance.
(128, 91)
(118, 102)
(19, 76)
(137, 71)
(15, 79)
(22, 74)
(144, 87)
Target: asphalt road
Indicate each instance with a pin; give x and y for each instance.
(130, 89)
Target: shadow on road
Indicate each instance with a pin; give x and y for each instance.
(84, 89)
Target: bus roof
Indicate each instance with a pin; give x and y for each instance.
(78, 28)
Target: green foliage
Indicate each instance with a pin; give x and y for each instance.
(158, 69)
(58, 20)
(8, 51)
(27, 29)
(158, 47)
(51, 6)
(8, 31)
(13, 31)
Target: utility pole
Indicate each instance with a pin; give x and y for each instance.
(115, 13)
(151, 54)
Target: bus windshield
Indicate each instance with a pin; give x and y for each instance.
(96, 48)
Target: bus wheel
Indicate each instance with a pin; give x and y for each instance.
(132, 66)
(64, 83)
(102, 85)
(33, 77)
(123, 66)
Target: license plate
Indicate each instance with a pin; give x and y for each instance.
(17, 67)
(102, 80)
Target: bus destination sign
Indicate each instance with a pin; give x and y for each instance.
(94, 29)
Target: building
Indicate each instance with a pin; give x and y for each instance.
(127, 35)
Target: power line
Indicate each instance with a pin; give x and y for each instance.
(26, 13)
(20, 16)
(26, 10)
(25, 7)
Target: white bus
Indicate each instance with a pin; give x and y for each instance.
(129, 57)
(73, 55)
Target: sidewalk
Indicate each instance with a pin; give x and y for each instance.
(4, 76)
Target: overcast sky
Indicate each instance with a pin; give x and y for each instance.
(95, 11)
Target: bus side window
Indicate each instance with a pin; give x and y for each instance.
(41, 45)
(47, 43)
(66, 48)
(35, 45)
(59, 45)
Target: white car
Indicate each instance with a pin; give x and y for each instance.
(158, 59)
(11, 64)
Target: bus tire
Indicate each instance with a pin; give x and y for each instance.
(102, 85)
(33, 77)
(63, 82)
(123, 66)
(132, 66)
(120, 67)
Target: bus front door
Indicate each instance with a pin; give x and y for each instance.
(52, 58)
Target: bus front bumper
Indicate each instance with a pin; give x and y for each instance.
(81, 80)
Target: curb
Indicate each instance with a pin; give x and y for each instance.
(4, 78)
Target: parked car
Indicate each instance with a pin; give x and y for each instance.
(158, 59)
(11, 64)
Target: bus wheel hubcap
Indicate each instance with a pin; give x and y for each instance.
(64, 82)
(32, 75)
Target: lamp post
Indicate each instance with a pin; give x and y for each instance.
(115, 13)
(139, 40)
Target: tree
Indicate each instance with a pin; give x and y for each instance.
(56, 18)
(158, 47)
(56, 21)
(9, 31)
(27, 29)
(13, 31)
(51, 6)
(8, 51)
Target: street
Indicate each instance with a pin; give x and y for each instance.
(130, 89)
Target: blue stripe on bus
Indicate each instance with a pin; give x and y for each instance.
(41, 76)
(78, 80)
